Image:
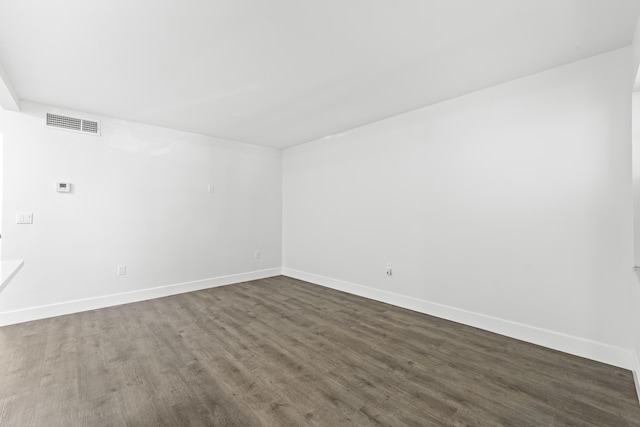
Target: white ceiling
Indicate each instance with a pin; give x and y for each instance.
(284, 72)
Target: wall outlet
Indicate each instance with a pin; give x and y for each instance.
(122, 270)
(24, 218)
(211, 188)
(389, 270)
(63, 187)
(256, 255)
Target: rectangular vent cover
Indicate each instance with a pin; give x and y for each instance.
(73, 124)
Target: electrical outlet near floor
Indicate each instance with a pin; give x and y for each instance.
(389, 270)
(122, 270)
(256, 255)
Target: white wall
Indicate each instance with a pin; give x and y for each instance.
(139, 198)
(1, 174)
(635, 46)
(635, 298)
(635, 138)
(508, 209)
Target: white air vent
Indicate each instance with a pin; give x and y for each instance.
(73, 124)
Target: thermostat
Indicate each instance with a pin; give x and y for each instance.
(63, 187)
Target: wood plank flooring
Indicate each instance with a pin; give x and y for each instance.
(281, 352)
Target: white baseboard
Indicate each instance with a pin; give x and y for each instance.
(597, 351)
(636, 373)
(69, 307)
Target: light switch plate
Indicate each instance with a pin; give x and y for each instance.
(24, 218)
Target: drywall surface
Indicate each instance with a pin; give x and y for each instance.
(635, 46)
(636, 201)
(511, 206)
(140, 197)
(635, 132)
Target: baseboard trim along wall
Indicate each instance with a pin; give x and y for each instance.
(636, 373)
(69, 307)
(600, 352)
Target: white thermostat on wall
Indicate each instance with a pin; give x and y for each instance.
(63, 187)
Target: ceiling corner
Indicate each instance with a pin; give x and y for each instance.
(9, 99)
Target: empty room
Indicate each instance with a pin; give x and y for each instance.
(322, 213)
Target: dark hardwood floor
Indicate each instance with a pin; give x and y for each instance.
(281, 352)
